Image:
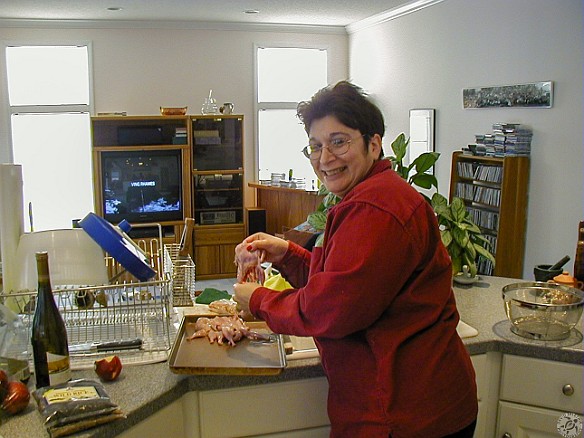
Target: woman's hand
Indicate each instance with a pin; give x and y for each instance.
(273, 247)
(243, 292)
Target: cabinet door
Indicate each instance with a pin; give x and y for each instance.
(166, 422)
(227, 259)
(207, 260)
(217, 143)
(215, 250)
(521, 421)
(266, 410)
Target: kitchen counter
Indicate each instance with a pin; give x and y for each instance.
(142, 390)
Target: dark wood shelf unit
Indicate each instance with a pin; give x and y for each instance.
(501, 200)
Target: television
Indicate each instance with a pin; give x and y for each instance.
(142, 185)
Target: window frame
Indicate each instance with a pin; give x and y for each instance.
(42, 109)
(7, 154)
(261, 106)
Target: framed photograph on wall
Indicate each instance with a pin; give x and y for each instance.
(532, 95)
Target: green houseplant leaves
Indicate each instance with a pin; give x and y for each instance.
(420, 165)
(460, 235)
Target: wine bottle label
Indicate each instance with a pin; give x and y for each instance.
(59, 368)
(61, 395)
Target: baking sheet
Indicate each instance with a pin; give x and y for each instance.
(199, 356)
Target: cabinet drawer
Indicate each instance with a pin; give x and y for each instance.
(527, 421)
(543, 383)
(219, 236)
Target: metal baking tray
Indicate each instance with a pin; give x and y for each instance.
(248, 357)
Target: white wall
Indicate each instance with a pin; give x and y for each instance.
(140, 69)
(425, 59)
(421, 60)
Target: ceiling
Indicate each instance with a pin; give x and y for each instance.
(275, 12)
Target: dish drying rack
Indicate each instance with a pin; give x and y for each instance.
(122, 311)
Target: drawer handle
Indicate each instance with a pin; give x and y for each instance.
(568, 389)
(507, 435)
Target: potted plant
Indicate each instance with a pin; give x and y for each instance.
(462, 238)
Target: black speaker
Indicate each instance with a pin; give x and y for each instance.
(255, 220)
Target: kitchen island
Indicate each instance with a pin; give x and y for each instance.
(144, 390)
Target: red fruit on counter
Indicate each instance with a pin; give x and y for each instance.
(108, 368)
(17, 398)
(3, 385)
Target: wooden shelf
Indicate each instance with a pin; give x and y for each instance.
(217, 172)
(285, 207)
(506, 209)
(106, 138)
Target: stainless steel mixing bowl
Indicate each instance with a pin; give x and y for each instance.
(546, 311)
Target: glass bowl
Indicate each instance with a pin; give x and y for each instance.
(546, 311)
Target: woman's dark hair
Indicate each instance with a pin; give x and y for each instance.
(349, 104)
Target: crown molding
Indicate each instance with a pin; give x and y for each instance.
(391, 14)
(154, 24)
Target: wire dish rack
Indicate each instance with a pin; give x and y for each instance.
(125, 311)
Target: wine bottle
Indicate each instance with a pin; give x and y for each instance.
(49, 336)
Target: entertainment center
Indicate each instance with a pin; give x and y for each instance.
(164, 169)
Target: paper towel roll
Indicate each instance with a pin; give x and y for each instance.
(11, 221)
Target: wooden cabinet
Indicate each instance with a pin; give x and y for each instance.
(535, 394)
(215, 250)
(134, 154)
(218, 195)
(285, 207)
(495, 192)
(141, 172)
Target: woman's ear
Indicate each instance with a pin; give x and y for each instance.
(375, 146)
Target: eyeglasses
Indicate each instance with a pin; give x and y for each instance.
(337, 146)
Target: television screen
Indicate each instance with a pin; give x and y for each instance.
(142, 186)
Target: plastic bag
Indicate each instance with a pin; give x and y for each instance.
(75, 405)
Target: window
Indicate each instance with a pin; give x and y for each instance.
(49, 97)
(285, 76)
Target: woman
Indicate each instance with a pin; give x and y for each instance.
(377, 296)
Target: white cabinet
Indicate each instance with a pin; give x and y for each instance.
(521, 421)
(295, 409)
(288, 409)
(167, 422)
(487, 369)
(535, 393)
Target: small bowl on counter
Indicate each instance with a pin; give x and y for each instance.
(173, 111)
(543, 311)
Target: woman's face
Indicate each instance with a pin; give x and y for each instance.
(340, 173)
